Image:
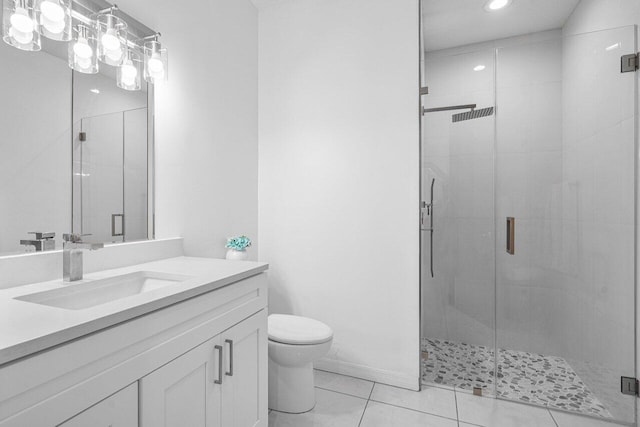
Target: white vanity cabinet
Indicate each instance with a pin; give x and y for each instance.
(117, 410)
(218, 383)
(199, 362)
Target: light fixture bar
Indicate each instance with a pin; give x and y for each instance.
(83, 10)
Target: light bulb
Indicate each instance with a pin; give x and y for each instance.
(20, 37)
(110, 41)
(83, 63)
(156, 67)
(52, 11)
(82, 49)
(52, 17)
(128, 72)
(114, 54)
(21, 22)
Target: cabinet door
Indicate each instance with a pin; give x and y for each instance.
(244, 388)
(184, 392)
(117, 410)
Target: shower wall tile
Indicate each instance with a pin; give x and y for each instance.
(597, 262)
(529, 188)
(542, 60)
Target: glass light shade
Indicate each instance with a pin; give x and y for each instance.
(19, 25)
(129, 74)
(54, 19)
(156, 62)
(112, 39)
(82, 50)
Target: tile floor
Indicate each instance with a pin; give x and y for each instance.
(351, 402)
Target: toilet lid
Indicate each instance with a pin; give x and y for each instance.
(287, 329)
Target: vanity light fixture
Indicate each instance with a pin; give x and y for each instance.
(112, 34)
(93, 35)
(494, 5)
(156, 62)
(19, 25)
(130, 72)
(82, 50)
(54, 19)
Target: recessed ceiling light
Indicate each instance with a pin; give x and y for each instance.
(479, 67)
(96, 91)
(493, 5)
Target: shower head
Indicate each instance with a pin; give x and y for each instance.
(460, 117)
(473, 114)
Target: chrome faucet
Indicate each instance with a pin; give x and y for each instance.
(73, 246)
(42, 241)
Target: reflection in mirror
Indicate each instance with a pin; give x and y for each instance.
(35, 157)
(110, 174)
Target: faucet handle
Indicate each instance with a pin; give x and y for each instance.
(73, 237)
(43, 235)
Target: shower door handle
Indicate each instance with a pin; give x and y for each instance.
(430, 209)
(433, 181)
(113, 225)
(511, 235)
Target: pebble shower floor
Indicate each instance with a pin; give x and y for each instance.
(533, 378)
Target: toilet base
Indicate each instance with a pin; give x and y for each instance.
(291, 388)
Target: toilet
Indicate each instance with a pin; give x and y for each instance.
(294, 344)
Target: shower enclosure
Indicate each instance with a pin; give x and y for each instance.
(528, 220)
(110, 184)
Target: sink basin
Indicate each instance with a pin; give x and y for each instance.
(97, 292)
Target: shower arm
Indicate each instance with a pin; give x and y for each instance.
(450, 108)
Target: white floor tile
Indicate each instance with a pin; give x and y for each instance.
(381, 415)
(490, 412)
(568, 420)
(332, 410)
(432, 400)
(343, 384)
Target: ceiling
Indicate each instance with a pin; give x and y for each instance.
(451, 23)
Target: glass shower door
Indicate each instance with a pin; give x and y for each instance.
(111, 177)
(565, 221)
(102, 162)
(457, 230)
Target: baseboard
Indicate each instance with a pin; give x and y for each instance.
(393, 378)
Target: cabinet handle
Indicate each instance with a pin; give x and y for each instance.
(230, 342)
(219, 380)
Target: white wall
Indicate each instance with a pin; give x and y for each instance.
(339, 174)
(206, 121)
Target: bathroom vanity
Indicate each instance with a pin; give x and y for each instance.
(184, 343)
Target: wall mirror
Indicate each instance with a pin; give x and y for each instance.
(76, 152)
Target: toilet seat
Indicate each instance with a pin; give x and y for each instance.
(297, 330)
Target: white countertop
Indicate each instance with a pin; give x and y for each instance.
(27, 328)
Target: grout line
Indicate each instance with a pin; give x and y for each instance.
(553, 418)
(440, 386)
(341, 392)
(413, 410)
(366, 405)
(343, 375)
